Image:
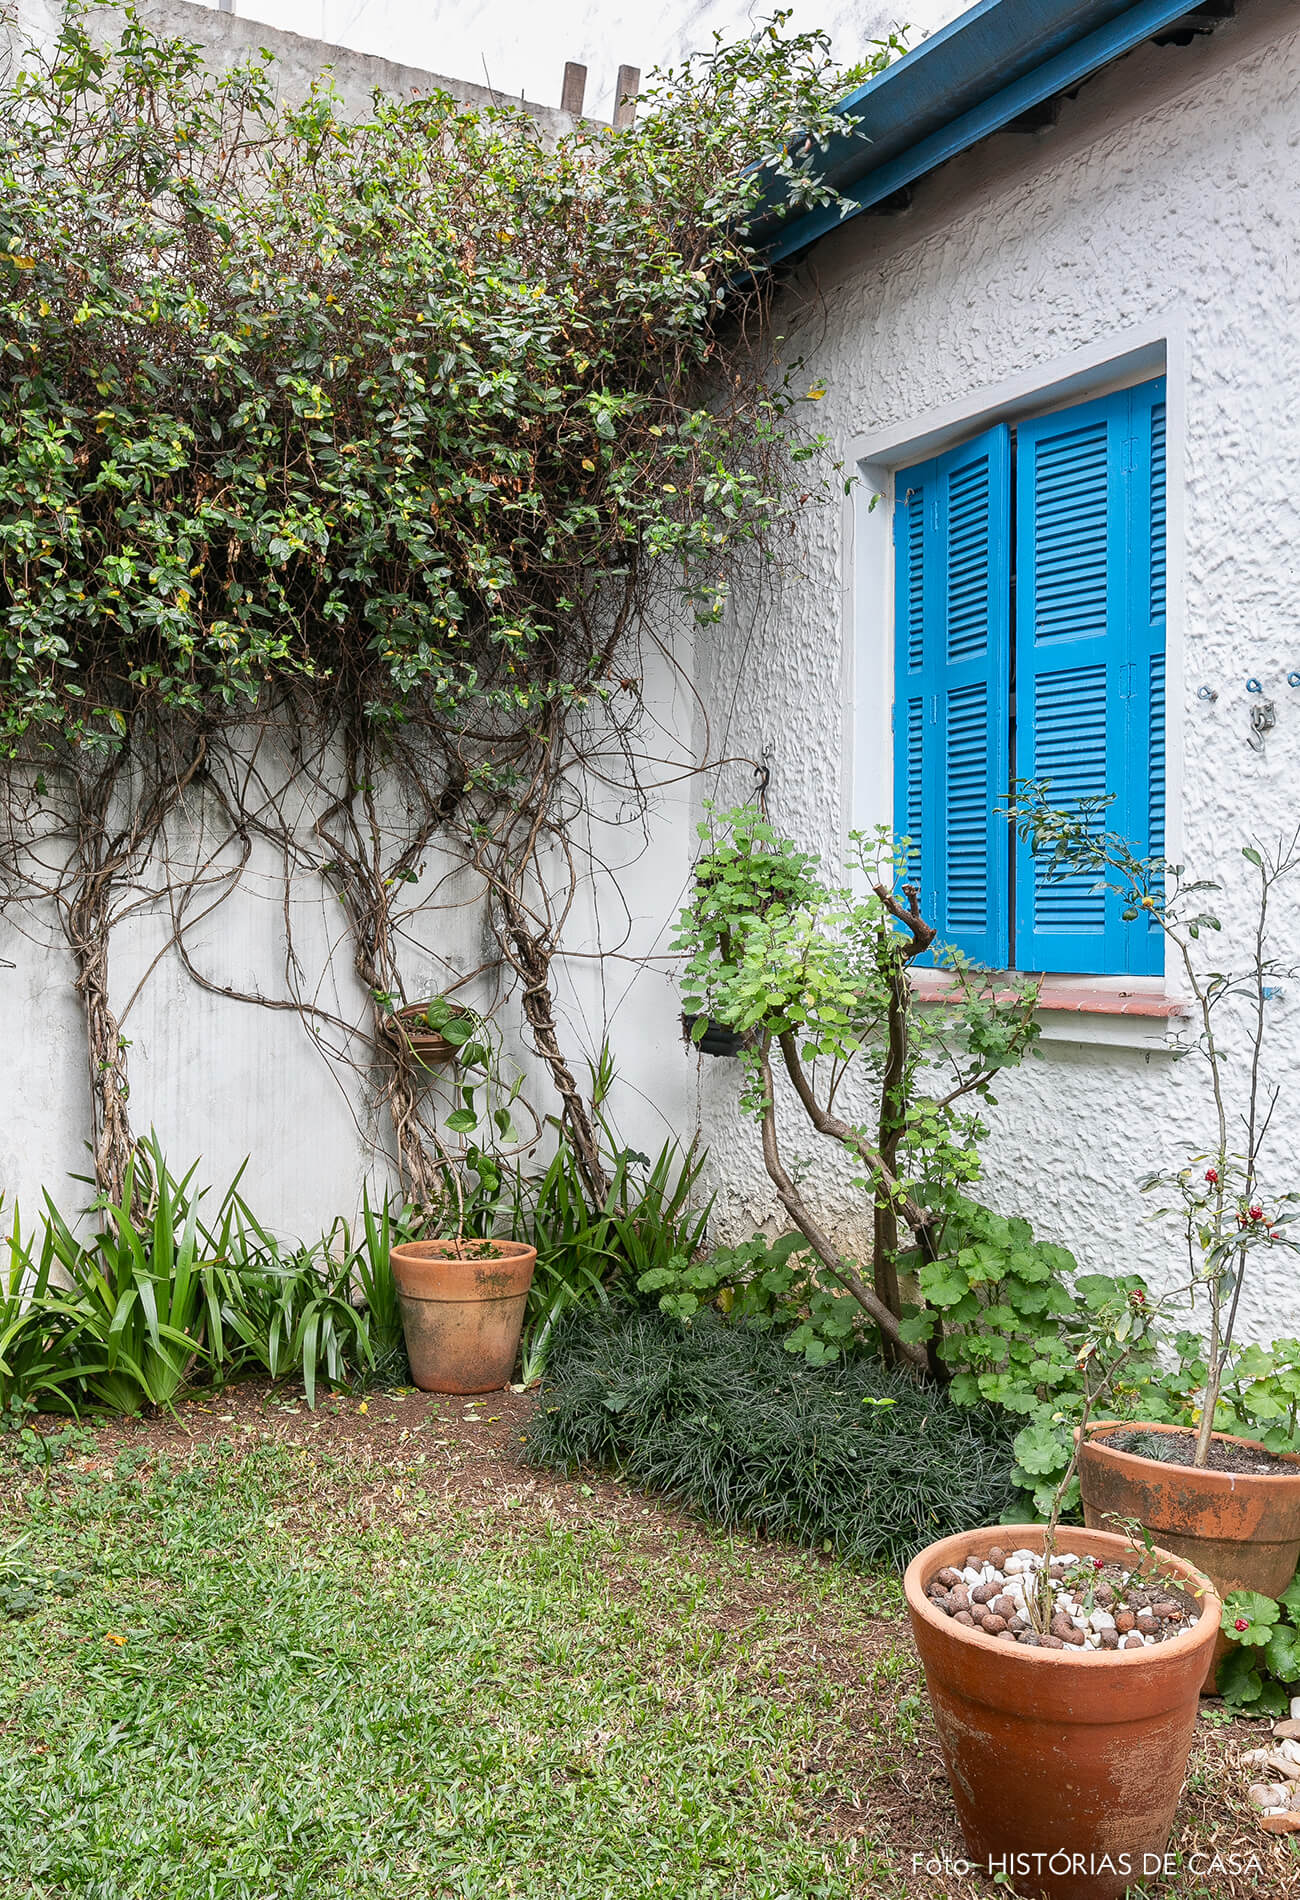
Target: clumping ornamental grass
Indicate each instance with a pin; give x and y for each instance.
(861, 1459)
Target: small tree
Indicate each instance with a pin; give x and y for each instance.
(818, 978)
(1227, 1213)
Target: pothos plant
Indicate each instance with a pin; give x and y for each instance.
(1229, 1211)
(819, 975)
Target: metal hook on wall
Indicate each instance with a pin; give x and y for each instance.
(763, 777)
(1263, 718)
(1206, 693)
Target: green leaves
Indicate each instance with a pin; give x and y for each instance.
(282, 401)
(1257, 1672)
(1249, 1618)
(1040, 1448)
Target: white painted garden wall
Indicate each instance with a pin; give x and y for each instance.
(1159, 219)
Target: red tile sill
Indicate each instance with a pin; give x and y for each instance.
(934, 986)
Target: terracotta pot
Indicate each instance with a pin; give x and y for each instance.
(462, 1315)
(1065, 1766)
(1243, 1532)
(429, 1046)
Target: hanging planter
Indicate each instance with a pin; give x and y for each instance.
(716, 1040)
(1238, 1519)
(434, 1033)
(1066, 1760)
(462, 1310)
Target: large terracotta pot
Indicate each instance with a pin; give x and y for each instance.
(1066, 1766)
(462, 1310)
(1243, 1532)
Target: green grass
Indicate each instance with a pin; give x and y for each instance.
(308, 1703)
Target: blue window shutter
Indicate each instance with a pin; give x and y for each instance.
(1090, 643)
(912, 689)
(951, 697)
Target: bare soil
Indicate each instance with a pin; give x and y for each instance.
(1179, 1448)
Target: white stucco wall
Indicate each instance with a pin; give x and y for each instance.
(1157, 222)
(1160, 215)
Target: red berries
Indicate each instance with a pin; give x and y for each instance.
(1257, 1213)
(1241, 1624)
(1212, 1176)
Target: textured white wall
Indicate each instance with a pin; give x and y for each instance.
(1166, 202)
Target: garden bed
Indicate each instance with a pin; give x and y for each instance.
(369, 1651)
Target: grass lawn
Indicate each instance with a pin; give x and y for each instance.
(260, 1653)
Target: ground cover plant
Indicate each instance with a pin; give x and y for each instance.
(857, 1458)
(1260, 1673)
(364, 1651)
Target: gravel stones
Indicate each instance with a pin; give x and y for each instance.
(1095, 1605)
(1278, 1802)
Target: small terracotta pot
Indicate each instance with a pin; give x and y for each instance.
(1242, 1531)
(429, 1046)
(1065, 1766)
(461, 1314)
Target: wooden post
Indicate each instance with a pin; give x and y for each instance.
(575, 85)
(629, 84)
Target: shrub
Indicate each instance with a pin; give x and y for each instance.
(861, 1459)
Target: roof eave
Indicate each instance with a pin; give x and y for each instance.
(967, 62)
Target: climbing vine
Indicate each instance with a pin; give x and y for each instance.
(388, 440)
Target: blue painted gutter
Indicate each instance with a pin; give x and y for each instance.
(970, 79)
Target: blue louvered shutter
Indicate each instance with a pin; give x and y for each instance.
(1090, 655)
(951, 699)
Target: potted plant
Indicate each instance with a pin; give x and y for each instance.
(1226, 1503)
(711, 1037)
(462, 1306)
(746, 874)
(436, 1032)
(1065, 1686)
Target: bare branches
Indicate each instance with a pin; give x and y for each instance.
(797, 1208)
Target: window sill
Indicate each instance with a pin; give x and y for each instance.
(1083, 1009)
